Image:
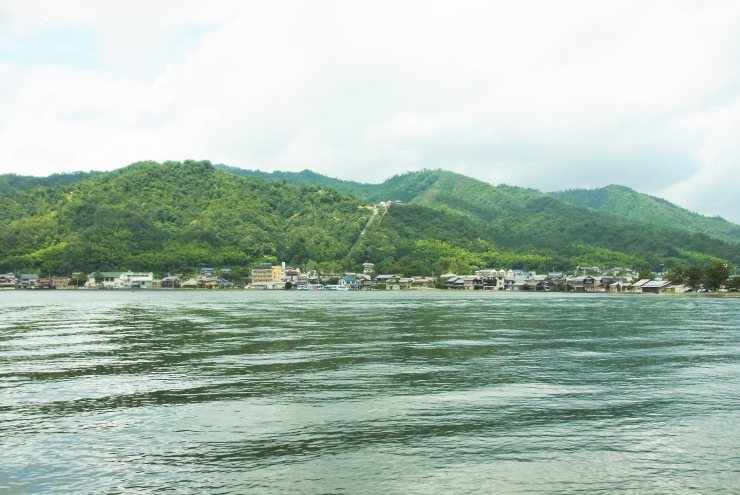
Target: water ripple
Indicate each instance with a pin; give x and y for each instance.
(427, 392)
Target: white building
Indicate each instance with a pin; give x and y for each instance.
(137, 280)
(107, 280)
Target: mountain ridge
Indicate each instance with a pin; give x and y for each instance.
(176, 216)
(15, 182)
(654, 210)
(626, 203)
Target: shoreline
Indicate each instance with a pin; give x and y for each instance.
(428, 289)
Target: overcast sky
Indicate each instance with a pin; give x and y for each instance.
(550, 95)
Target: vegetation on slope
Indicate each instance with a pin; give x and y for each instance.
(175, 217)
(416, 239)
(627, 204)
(552, 233)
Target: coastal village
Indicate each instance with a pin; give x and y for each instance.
(281, 277)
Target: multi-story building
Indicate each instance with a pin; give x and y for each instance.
(291, 274)
(267, 273)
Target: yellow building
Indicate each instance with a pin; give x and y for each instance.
(267, 273)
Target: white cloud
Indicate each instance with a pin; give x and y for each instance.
(550, 95)
(712, 189)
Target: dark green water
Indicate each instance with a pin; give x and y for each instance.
(422, 393)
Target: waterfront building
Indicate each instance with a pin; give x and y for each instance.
(170, 282)
(28, 281)
(654, 286)
(59, 282)
(137, 280)
(267, 273)
(267, 276)
(8, 281)
(108, 280)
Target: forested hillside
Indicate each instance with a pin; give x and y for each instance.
(175, 217)
(523, 227)
(627, 204)
(506, 226)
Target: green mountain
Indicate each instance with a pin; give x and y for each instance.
(512, 226)
(625, 203)
(528, 228)
(175, 217)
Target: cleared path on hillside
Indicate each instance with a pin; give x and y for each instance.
(367, 226)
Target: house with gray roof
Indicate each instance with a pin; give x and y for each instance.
(654, 286)
(28, 281)
(582, 284)
(8, 281)
(637, 286)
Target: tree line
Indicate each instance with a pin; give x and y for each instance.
(710, 277)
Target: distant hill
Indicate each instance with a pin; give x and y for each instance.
(176, 217)
(435, 186)
(12, 182)
(531, 223)
(403, 187)
(627, 204)
(297, 178)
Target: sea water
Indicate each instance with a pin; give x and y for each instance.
(417, 392)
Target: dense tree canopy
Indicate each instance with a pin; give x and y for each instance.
(622, 202)
(175, 217)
